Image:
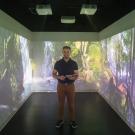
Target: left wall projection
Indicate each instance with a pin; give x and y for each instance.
(15, 72)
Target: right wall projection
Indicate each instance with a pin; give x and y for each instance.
(117, 81)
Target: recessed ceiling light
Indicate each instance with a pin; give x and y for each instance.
(68, 19)
(88, 9)
(44, 9)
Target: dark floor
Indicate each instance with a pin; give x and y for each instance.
(39, 114)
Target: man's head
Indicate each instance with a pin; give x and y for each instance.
(66, 52)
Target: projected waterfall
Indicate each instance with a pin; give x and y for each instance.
(47, 63)
(15, 72)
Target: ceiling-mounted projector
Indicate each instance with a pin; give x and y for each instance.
(68, 19)
(44, 9)
(88, 9)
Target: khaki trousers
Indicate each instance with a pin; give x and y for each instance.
(66, 91)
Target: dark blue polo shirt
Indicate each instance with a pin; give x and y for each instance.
(66, 68)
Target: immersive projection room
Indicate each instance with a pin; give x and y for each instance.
(67, 67)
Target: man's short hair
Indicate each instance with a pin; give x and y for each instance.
(66, 47)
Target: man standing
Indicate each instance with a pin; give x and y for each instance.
(66, 71)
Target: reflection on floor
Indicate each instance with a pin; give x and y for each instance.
(39, 114)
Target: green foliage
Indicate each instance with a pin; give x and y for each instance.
(75, 52)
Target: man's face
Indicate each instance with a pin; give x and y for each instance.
(66, 53)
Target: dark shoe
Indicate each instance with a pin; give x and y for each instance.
(59, 123)
(73, 124)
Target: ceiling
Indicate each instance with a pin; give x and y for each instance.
(108, 12)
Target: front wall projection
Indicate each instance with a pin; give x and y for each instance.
(118, 75)
(45, 54)
(15, 72)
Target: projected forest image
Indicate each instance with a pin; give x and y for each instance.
(107, 66)
(15, 72)
(118, 73)
(87, 55)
